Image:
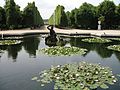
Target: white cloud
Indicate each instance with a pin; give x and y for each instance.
(46, 7)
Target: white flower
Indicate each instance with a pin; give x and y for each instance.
(106, 72)
(77, 75)
(58, 66)
(96, 72)
(113, 76)
(96, 80)
(87, 73)
(57, 77)
(114, 81)
(44, 73)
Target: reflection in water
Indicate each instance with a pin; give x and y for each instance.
(117, 55)
(31, 45)
(22, 71)
(54, 41)
(101, 49)
(13, 51)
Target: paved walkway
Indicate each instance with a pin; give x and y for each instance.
(62, 32)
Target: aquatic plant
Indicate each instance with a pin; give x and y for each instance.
(96, 40)
(114, 47)
(77, 76)
(13, 38)
(117, 39)
(63, 51)
(10, 42)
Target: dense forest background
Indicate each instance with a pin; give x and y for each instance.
(84, 17)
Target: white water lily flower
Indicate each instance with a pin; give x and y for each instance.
(77, 75)
(106, 72)
(114, 81)
(57, 77)
(113, 76)
(45, 74)
(96, 80)
(88, 73)
(58, 66)
(96, 72)
(42, 85)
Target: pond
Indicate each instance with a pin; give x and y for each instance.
(19, 63)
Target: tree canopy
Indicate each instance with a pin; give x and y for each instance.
(87, 16)
(59, 17)
(11, 17)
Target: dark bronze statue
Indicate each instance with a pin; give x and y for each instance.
(52, 32)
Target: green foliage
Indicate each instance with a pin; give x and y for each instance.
(63, 51)
(114, 47)
(86, 17)
(117, 19)
(31, 16)
(13, 14)
(10, 42)
(59, 17)
(2, 18)
(73, 18)
(12, 18)
(77, 76)
(96, 40)
(107, 9)
(68, 18)
(116, 39)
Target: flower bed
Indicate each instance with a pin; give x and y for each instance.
(77, 76)
(63, 51)
(96, 40)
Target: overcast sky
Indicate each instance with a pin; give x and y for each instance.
(46, 7)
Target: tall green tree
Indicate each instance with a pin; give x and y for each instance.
(12, 14)
(107, 9)
(117, 19)
(68, 18)
(86, 18)
(2, 18)
(59, 17)
(73, 18)
(31, 16)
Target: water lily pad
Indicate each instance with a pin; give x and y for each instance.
(10, 42)
(114, 47)
(104, 86)
(78, 76)
(96, 40)
(63, 51)
(117, 39)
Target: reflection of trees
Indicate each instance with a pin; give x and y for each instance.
(99, 48)
(78, 43)
(13, 51)
(102, 50)
(31, 45)
(117, 55)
